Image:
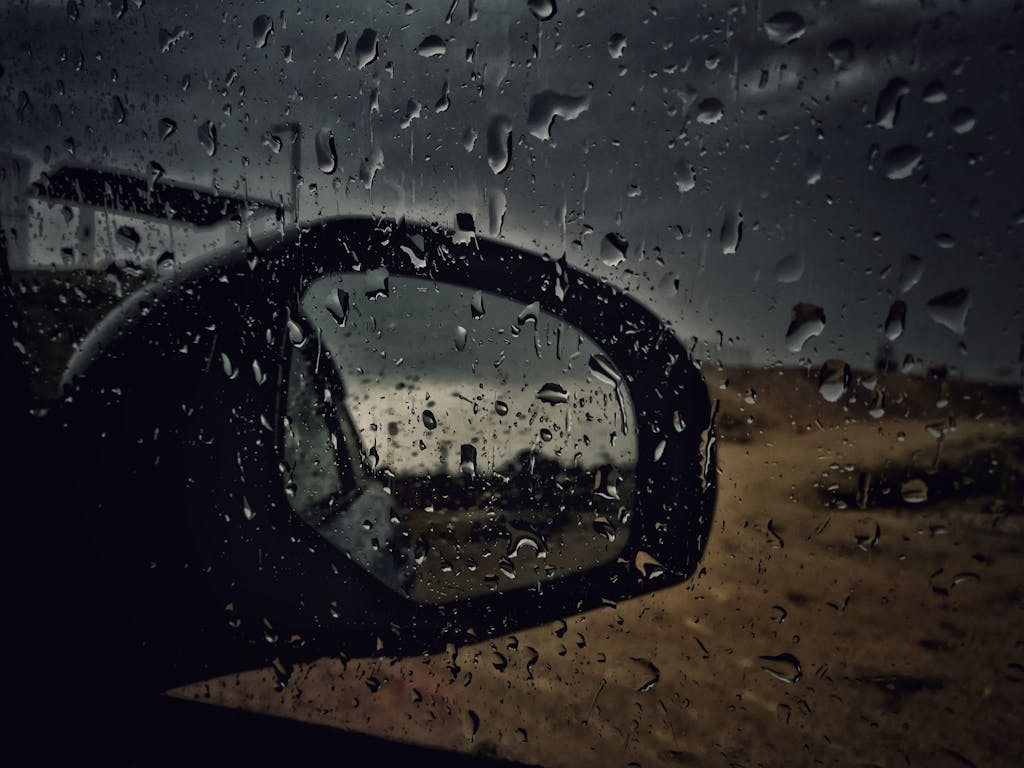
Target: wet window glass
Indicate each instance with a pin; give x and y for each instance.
(544, 382)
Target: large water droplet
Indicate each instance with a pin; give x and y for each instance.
(262, 28)
(461, 337)
(431, 46)
(166, 127)
(934, 92)
(887, 106)
(552, 394)
(370, 166)
(467, 459)
(785, 667)
(338, 304)
(834, 379)
(296, 334)
(808, 321)
(542, 9)
(900, 162)
(950, 309)
(785, 27)
(366, 48)
(326, 155)
(207, 133)
(962, 120)
(340, 44)
(686, 176)
(604, 370)
(476, 305)
(617, 45)
(497, 205)
(731, 233)
(613, 249)
(547, 105)
(500, 407)
(499, 143)
(710, 111)
(914, 491)
(896, 320)
(429, 420)
(911, 273)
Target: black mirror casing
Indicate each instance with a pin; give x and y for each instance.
(173, 441)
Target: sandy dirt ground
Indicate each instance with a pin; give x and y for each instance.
(906, 620)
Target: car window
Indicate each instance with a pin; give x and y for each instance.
(637, 383)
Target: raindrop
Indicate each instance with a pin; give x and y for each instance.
(613, 249)
(896, 320)
(659, 450)
(467, 459)
(710, 111)
(338, 304)
(547, 105)
(648, 565)
(900, 162)
(229, 370)
(476, 305)
(546, 435)
(461, 337)
(366, 48)
(370, 166)
(377, 284)
(785, 667)
(499, 143)
(273, 143)
(166, 127)
(686, 176)
(731, 233)
(887, 106)
(911, 272)
(542, 9)
(785, 27)
(431, 46)
(808, 320)
(207, 133)
(500, 407)
(789, 269)
(497, 205)
(262, 28)
(834, 379)
(605, 479)
(604, 370)
(616, 45)
(950, 309)
(945, 240)
(914, 491)
(529, 314)
(962, 120)
(119, 110)
(429, 420)
(340, 44)
(296, 335)
(552, 394)
(934, 92)
(326, 155)
(127, 237)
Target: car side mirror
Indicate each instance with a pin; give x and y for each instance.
(377, 437)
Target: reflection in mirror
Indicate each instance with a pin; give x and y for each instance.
(497, 437)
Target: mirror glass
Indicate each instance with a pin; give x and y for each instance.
(481, 444)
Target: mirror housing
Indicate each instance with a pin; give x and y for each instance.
(172, 412)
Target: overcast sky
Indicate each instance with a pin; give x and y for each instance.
(791, 114)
